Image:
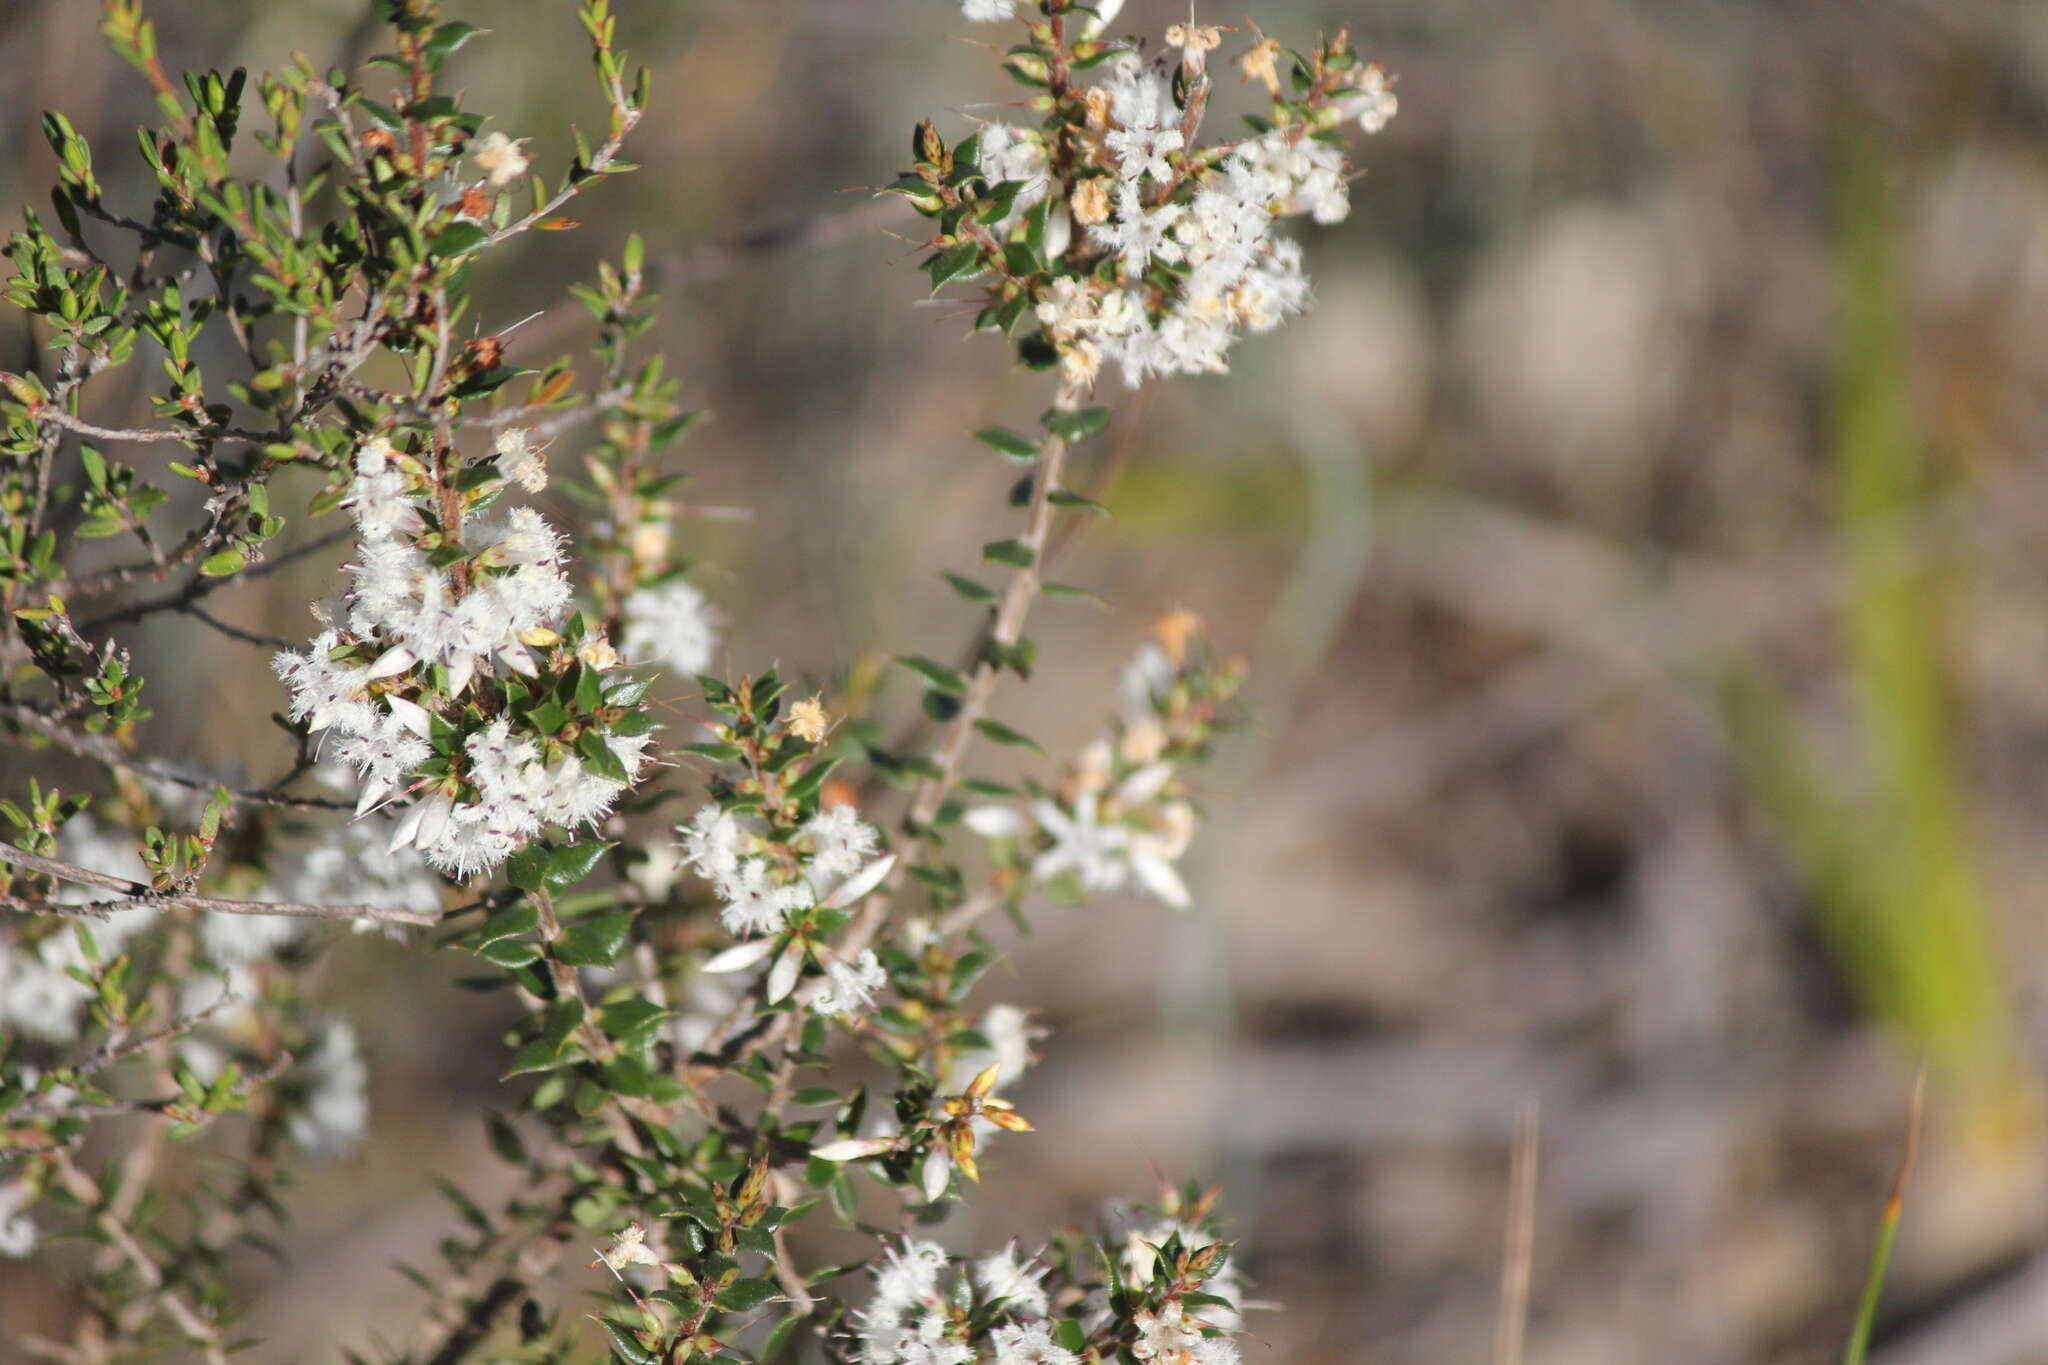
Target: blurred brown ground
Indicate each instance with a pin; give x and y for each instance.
(1552, 449)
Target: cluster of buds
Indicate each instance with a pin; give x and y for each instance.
(1110, 225)
(458, 681)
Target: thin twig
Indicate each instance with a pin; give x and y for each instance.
(140, 895)
(1513, 1328)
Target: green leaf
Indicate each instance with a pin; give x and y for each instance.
(627, 1343)
(446, 39)
(526, 868)
(599, 758)
(522, 918)
(224, 563)
(778, 1339)
(744, 1296)
(1008, 444)
(567, 866)
(595, 942)
(967, 588)
(962, 262)
(1075, 426)
(632, 1022)
(1012, 552)
(510, 953)
(937, 674)
(459, 239)
(1061, 497)
(717, 753)
(1003, 734)
(1068, 593)
(538, 1055)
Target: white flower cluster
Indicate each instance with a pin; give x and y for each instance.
(672, 624)
(39, 996)
(829, 863)
(17, 1230)
(908, 1319)
(354, 864)
(992, 11)
(410, 612)
(836, 852)
(333, 1112)
(1104, 830)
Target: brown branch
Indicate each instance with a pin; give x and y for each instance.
(139, 895)
(103, 749)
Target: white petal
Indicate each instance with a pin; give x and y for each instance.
(518, 660)
(1161, 880)
(1059, 232)
(1144, 784)
(393, 660)
(782, 976)
(373, 792)
(460, 671)
(740, 958)
(411, 715)
(407, 827)
(433, 820)
(936, 1175)
(859, 884)
(994, 822)
(854, 1149)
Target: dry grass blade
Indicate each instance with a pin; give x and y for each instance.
(1858, 1348)
(1521, 1238)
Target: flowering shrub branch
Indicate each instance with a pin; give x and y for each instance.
(731, 1029)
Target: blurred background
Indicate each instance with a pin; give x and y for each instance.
(1641, 558)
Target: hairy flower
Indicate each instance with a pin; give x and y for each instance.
(499, 158)
(852, 985)
(674, 625)
(1016, 1283)
(17, 1231)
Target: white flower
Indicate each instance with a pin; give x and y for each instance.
(628, 1247)
(906, 1282)
(1029, 1344)
(500, 158)
(929, 1345)
(1165, 1335)
(238, 940)
(1140, 233)
(853, 985)
(1092, 852)
(841, 842)
(1009, 1032)
(1372, 101)
(1152, 854)
(336, 1108)
(352, 863)
(988, 11)
(755, 903)
(1143, 151)
(520, 459)
(380, 494)
(994, 822)
(712, 842)
(673, 624)
(1001, 1276)
(17, 1232)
